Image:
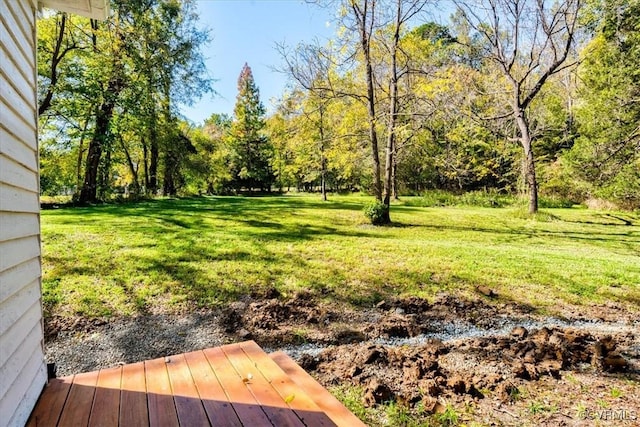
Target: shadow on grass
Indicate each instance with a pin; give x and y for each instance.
(183, 236)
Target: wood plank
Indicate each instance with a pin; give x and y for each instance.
(133, 396)
(49, 406)
(215, 401)
(272, 403)
(106, 403)
(325, 400)
(77, 408)
(295, 396)
(244, 404)
(162, 409)
(185, 395)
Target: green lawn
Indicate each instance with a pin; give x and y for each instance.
(171, 255)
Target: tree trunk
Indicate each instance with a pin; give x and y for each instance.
(528, 165)
(81, 153)
(154, 153)
(323, 160)
(393, 112)
(365, 41)
(145, 160)
(394, 179)
(132, 168)
(88, 194)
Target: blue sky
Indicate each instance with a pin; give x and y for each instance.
(247, 31)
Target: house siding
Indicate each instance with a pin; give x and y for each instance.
(22, 363)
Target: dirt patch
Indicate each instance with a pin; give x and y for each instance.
(480, 354)
(432, 370)
(495, 362)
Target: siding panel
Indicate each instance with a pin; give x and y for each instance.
(31, 395)
(14, 199)
(15, 124)
(22, 365)
(14, 337)
(14, 30)
(13, 73)
(13, 279)
(17, 175)
(17, 150)
(32, 379)
(17, 251)
(11, 97)
(14, 308)
(9, 371)
(16, 225)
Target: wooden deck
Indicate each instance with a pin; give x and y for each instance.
(232, 385)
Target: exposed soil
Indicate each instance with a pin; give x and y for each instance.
(494, 363)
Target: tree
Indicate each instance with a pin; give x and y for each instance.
(404, 11)
(143, 61)
(607, 153)
(363, 16)
(252, 151)
(528, 41)
(310, 66)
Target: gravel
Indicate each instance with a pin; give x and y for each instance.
(132, 340)
(140, 338)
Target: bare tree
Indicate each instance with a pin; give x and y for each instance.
(404, 10)
(310, 65)
(529, 41)
(363, 14)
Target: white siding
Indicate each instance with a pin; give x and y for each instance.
(22, 364)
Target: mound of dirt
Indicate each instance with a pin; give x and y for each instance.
(419, 374)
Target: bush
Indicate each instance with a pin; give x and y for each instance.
(376, 212)
(441, 198)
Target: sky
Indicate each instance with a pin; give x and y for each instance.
(247, 31)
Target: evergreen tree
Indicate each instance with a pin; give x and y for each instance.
(251, 149)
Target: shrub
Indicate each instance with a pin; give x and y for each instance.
(376, 212)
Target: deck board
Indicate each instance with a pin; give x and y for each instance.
(243, 402)
(106, 402)
(296, 397)
(50, 405)
(133, 396)
(327, 402)
(77, 408)
(273, 404)
(233, 385)
(162, 410)
(215, 401)
(185, 395)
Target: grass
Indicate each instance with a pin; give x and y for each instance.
(173, 255)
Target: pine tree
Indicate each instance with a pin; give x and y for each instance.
(251, 166)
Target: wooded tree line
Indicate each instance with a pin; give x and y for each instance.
(510, 95)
